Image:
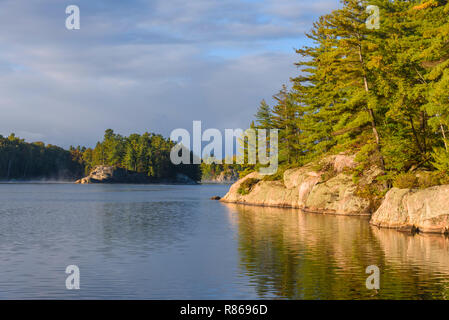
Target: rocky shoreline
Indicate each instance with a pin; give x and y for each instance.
(307, 188)
(424, 210)
(329, 188)
(111, 174)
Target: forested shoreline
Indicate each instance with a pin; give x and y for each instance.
(147, 154)
(363, 129)
(381, 94)
(20, 160)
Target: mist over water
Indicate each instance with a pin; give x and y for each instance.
(171, 242)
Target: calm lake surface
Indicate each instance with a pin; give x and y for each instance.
(171, 242)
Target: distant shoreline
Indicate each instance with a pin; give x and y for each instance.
(105, 183)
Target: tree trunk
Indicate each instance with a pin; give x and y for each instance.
(444, 136)
(371, 112)
(424, 129)
(415, 134)
(373, 125)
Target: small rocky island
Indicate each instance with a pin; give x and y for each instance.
(229, 176)
(329, 187)
(112, 174)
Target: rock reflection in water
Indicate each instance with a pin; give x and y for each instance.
(289, 254)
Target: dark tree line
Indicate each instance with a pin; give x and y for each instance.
(21, 160)
(148, 154)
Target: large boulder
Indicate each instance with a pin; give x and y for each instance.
(424, 210)
(337, 195)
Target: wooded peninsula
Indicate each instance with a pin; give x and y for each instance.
(147, 154)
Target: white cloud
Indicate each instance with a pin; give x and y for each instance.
(143, 65)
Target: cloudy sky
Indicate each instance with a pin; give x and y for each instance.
(140, 65)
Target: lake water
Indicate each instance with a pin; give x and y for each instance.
(171, 242)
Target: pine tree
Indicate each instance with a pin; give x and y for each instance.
(286, 119)
(264, 117)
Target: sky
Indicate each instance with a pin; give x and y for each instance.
(136, 66)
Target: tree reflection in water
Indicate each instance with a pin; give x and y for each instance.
(294, 255)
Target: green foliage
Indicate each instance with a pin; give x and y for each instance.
(430, 179)
(373, 192)
(285, 117)
(247, 185)
(406, 181)
(441, 162)
(148, 153)
(420, 180)
(326, 169)
(367, 157)
(212, 168)
(246, 171)
(264, 117)
(381, 93)
(366, 154)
